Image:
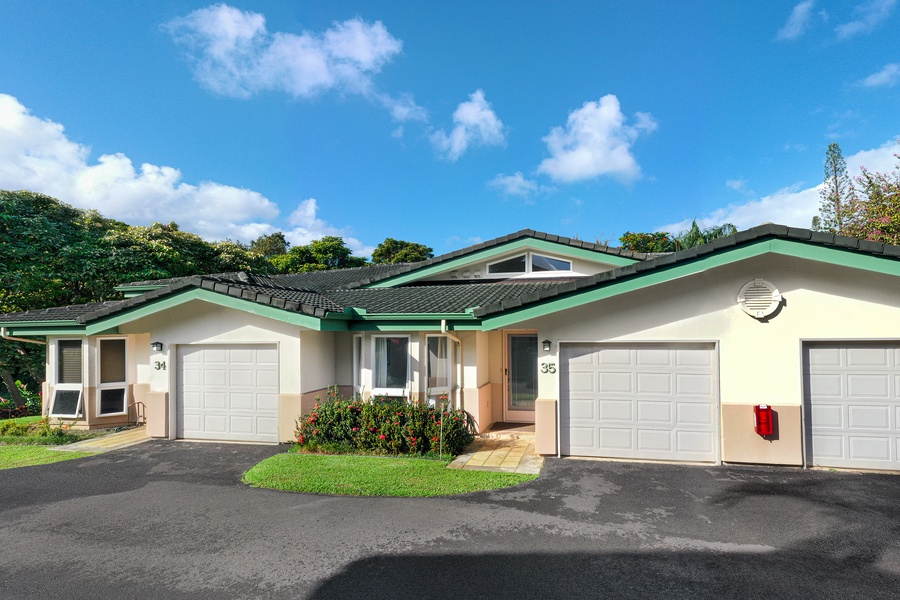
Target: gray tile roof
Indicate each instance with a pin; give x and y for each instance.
(59, 313)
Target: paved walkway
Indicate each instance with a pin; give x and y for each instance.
(113, 441)
(505, 447)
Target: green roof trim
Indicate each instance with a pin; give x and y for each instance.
(130, 291)
(179, 298)
(489, 253)
(25, 329)
(645, 279)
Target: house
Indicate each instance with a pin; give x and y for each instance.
(608, 352)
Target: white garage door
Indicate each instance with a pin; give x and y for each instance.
(648, 401)
(228, 393)
(853, 405)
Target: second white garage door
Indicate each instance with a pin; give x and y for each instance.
(228, 393)
(642, 401)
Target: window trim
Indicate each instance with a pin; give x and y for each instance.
(529, 259)
(112, 385)
(358, 342)
(386, 391)
(67, 387)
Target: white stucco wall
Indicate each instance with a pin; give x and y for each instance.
(759, 361)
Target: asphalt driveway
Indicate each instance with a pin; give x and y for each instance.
(172, 520)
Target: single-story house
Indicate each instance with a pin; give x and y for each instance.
(609, 353)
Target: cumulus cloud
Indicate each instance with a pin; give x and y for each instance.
(866, 18)
(474, 124)
(232, 53)
(596, 141)
(305, 226)
(888, 76)
(514, 185)
(795, 205)
(36, 154)
(797, 22)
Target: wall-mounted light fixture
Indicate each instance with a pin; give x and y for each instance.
(546, 344)
(156, 346)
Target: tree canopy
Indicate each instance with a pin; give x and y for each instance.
(398, 251)
(661, 241)
(330, 252)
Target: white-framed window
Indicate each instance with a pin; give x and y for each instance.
(528, 262)
(68, 388)
(390, 365)
(357, 364)
(112, 391)
(439, 364)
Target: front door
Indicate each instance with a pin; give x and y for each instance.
(521, 377)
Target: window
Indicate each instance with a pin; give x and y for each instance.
(357, 364)
(515, 264)
(528, 263)
(112, 396)
(391, 366)
(67, 390)
(545, 263)
(438, 365)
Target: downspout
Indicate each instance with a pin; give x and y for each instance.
(18, 339)
(459, 370)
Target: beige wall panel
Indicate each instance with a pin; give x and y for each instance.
(315, 363)
(740, 443)
(156, 406)
(545, 426)
(290, 408)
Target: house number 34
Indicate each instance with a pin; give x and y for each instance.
(160, 365)
(548, 367)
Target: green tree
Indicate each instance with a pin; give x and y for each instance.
(695, 236)
(398, 251)
(272, 244)
(838, 210)
(324, 254)
(881, 205)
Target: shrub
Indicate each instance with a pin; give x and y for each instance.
(9, 410)
(384, 426)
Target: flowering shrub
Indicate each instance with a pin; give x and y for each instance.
(32, 406)
(385, 427)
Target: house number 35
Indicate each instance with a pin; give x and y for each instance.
(160, 365)
(548, 367)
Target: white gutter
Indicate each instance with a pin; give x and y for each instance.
(18, 339)
(459, 369)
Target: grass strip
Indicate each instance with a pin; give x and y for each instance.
(373, 476)
(12, 457)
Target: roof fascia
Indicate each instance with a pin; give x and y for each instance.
(797, 249)
(131, 291)
(179, 298)
(413, 325)
(488, 253)
(38, 328)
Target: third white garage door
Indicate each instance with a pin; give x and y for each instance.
(642, 401)
(853, 405)
(228, 392)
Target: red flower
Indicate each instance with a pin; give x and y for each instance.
(382, 437)
(356, 429)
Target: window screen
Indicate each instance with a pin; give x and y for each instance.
(391, 362)
(112, 361)
(438, 363)
(66, 403)
(545, 263)
(511, 265)
(69, 363)
(112, 401)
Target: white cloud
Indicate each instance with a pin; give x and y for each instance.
(797, 22)
(738, 185)
(795, 205)
(36, 154)
(475, 124)
(596, 141)
(514, 185)
(866, 18)
(233, 54)
(306, 227)
(886, 77)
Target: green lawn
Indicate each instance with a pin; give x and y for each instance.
(26, 456)
(372, 476)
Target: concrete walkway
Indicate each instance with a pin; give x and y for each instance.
(505, 447)
(113, 441)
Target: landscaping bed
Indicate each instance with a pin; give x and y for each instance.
(41, 431)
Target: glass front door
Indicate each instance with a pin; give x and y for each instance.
(521, 371)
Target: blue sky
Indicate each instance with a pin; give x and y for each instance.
(444, 123)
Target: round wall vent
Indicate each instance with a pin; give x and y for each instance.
(759, 298)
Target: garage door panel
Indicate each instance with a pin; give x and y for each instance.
(652, 440)
(655, 412)
(583, 382)
(868, 386)
(853, 406)
(654, 401)
(614, 382)
(654, 383)
(228, 393)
